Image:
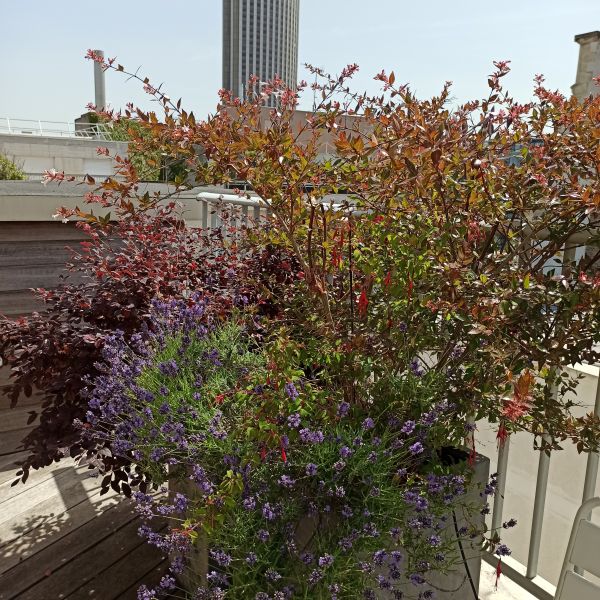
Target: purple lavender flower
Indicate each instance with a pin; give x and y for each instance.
(368, 423)
(145, 593)
(249, 503)
(379, 556)
(416, 579)
(290, 390)
(307, 558)
(263, 535)
(167, 583)
(343, 409)
(315, 576)
(293, 421)
(317, 437)
(268, 512)
(402, 327)
(180, 503)
(408, 427)
(169, 368)
(347, 512)
(510, 523)
(177, 565)
(345, 452)
(251, 558)
(502, 550)
(416, 369)
(272, 575)
(286, 481)
(416, 448)
(325, 561)
(311, 469)
(435, 541)
(339, 465)
(221, 558)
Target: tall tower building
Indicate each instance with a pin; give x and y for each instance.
(260, 37)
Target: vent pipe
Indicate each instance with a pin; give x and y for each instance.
(99, 85)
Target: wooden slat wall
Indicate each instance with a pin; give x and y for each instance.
(32, 254)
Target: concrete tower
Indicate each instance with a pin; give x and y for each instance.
(588, 65)
(260, 37)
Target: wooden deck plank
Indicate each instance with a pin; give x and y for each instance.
(78, 572)
(75, 502)
(64, 481)
(150, 579)
(46, 510)
(55, 528)
(35, 399)
(73, 542)
(38, 476)
(10, 441)
(16, 418)
(9, 466)
(123, 575)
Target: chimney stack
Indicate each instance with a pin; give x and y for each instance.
(588, 65)
(99, 86)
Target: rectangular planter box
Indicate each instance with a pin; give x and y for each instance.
(454, 585)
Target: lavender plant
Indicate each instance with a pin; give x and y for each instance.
(294, 492)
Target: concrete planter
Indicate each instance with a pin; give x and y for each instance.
(455, 585)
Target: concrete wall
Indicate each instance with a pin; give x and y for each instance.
(33, 245)
(588, 65)
(35, 154)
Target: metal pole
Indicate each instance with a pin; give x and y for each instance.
(99, 85)
(501, 469)
(591, 471)
(538, 513)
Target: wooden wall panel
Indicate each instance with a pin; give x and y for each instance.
(32, 255)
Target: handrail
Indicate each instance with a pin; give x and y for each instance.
(61, 129)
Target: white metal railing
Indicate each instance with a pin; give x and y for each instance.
(60, 129)
(527, 575)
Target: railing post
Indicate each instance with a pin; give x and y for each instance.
(591, 469)
(8, 123)
(501, 469)
(537, 521)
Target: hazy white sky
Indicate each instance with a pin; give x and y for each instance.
(43, 74)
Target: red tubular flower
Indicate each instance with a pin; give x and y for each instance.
(498, 572)
(502, 435)
(363, 302)
(388, 279)
(283, 455)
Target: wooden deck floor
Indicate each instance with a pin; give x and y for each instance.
(59, 538)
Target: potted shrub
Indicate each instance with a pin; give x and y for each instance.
(278, 486)
(432, 285)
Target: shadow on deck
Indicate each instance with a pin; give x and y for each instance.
(60, 539)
